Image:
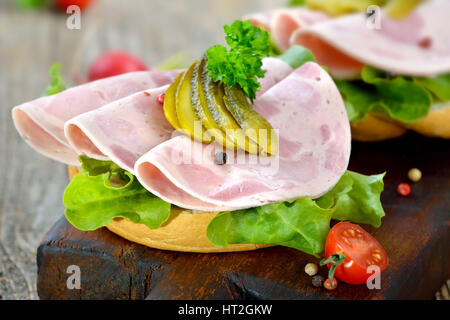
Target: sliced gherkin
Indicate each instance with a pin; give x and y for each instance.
(200, 106)
(337, 8)
(255, 126)
(170, 109)
(214, 94)
(208, 110)
(188, 120)
(399, 9)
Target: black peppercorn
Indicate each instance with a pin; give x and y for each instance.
(220, 158)
(317, 281)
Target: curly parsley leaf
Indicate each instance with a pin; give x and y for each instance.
(242, 63)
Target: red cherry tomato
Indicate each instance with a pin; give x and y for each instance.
(113, 63)
(64, 4)
(328, 286)
(361, 250)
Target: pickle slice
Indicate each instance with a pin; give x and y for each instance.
(208, 110)
(399, 9)
(200, 106)
(337, 8)
(188, 120)
(255, 126)
(170, 110)
(235, 136)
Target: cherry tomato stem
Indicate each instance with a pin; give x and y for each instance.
(335, 260)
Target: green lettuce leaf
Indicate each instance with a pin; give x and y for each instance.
(359, 98)
(303, 224)
(56, 83)
(116, 176)
(177, 61)
(93, 200)
(356, 198)
(400, 98)
(439, 86)
(296, 56)
(296, 3)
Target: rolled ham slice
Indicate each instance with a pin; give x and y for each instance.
(314, 150)
(282, 23)
(261, 19)
(286, 21)
(276, 70)
(418, 45)
(41, 121)
(126, 129)
(123, 130)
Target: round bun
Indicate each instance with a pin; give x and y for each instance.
(373, 128)
(376, 128)
(184, 231)
(435, 124)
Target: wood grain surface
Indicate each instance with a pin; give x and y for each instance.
(31, 186)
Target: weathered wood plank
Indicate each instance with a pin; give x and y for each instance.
(31, 186)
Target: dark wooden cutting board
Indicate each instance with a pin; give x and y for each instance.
(415, 234)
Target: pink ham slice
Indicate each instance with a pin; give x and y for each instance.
(123, 130)
(276, 70)
(286, 22)
(261, 19)
(283, 22)
(41, 122)
(314, 149)
(126, 129)
(418, 45)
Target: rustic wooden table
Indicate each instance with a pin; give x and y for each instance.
(31, 186)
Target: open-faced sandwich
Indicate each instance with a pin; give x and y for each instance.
(392, 66)
(237, 152)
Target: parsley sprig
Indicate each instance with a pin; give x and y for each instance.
(242, 63)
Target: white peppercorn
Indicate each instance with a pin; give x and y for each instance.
(311, 269)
